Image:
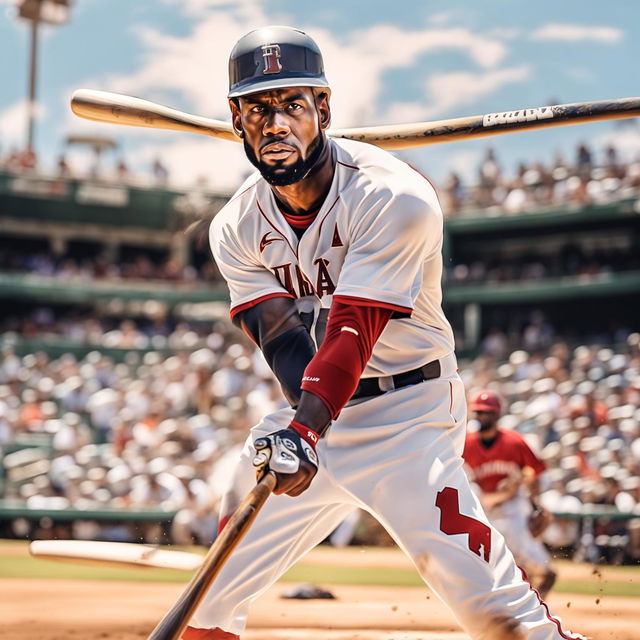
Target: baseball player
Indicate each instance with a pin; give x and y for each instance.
(332, 255)
(506, 470)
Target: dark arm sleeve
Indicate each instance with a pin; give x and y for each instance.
(276, 327)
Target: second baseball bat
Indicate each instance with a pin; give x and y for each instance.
(176, 620)
(119, 109)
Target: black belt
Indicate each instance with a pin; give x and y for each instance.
(372, 386)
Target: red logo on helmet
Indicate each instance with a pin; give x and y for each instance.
(271, 55)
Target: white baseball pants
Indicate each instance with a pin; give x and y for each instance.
(398, 456)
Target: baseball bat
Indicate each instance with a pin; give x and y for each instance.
(103, 106)
(119, 554)
(177, 618)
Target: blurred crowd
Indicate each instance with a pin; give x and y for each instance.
(154, 331)
(163, 431)
(568, 260)
(140, 266)
(21, 161)
(587, 178)
(579, 182)
(150, 432)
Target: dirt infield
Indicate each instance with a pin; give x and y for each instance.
(84, 610)
(65, 609)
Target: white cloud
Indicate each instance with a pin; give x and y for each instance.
(190, 73)
(465, 164)
(577, 32)
(581, 74)
(196, 66)
(13, 123)
(447, 93)
(625, 138)
(441, 18)
(221, 164)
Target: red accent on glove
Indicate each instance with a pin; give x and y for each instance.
(305, 433)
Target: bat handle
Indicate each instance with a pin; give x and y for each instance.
(176, 620)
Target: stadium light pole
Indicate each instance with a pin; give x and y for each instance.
(37, 12)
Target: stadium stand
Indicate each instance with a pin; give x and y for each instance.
(125, 391)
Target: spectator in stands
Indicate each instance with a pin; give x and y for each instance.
(64, 170)
(517, 198)
(6, 430)
(453, 194)
(28, 160)
(495, 343)
(584, 161)
(160, 173)
(489, 174)
(538, 334)
(612, 164)
(122, 171)
(632, 177)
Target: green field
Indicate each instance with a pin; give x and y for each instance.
(606, 581)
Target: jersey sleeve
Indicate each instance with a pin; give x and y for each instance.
(529, 458)
(390, 242)
(249, 281)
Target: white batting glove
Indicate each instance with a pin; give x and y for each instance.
(290, 453)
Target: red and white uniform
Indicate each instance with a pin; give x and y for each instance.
(488, 467)
(376, 241)
(369, 245)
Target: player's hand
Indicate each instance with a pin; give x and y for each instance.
(539, 520)
(291, 454)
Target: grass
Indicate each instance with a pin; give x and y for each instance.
(27, 567)
(619, 581)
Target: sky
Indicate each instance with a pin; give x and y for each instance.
(387, 62)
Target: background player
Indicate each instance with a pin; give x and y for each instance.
(332, 254)
(506, 470)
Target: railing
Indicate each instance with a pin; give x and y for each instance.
(13, 509)
(69, 200)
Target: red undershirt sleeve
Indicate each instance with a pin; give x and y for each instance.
(334, 371)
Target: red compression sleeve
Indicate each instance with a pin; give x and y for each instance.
(335, 370)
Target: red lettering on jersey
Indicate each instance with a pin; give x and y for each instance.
(283, 274)
(453, 522)
(324, 283)
(271, 55)
(336, 242)
(304, 286)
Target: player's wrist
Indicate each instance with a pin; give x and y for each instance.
(313, 413)
(306, 433)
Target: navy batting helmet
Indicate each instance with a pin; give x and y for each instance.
(274, 58)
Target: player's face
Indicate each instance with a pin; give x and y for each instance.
(283, 131)
(486, 419)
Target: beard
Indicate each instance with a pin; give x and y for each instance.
(278, 175)
(486, 425)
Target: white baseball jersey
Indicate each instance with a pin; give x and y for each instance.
(377, 237)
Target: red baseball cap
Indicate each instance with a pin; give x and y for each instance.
(486, 401)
